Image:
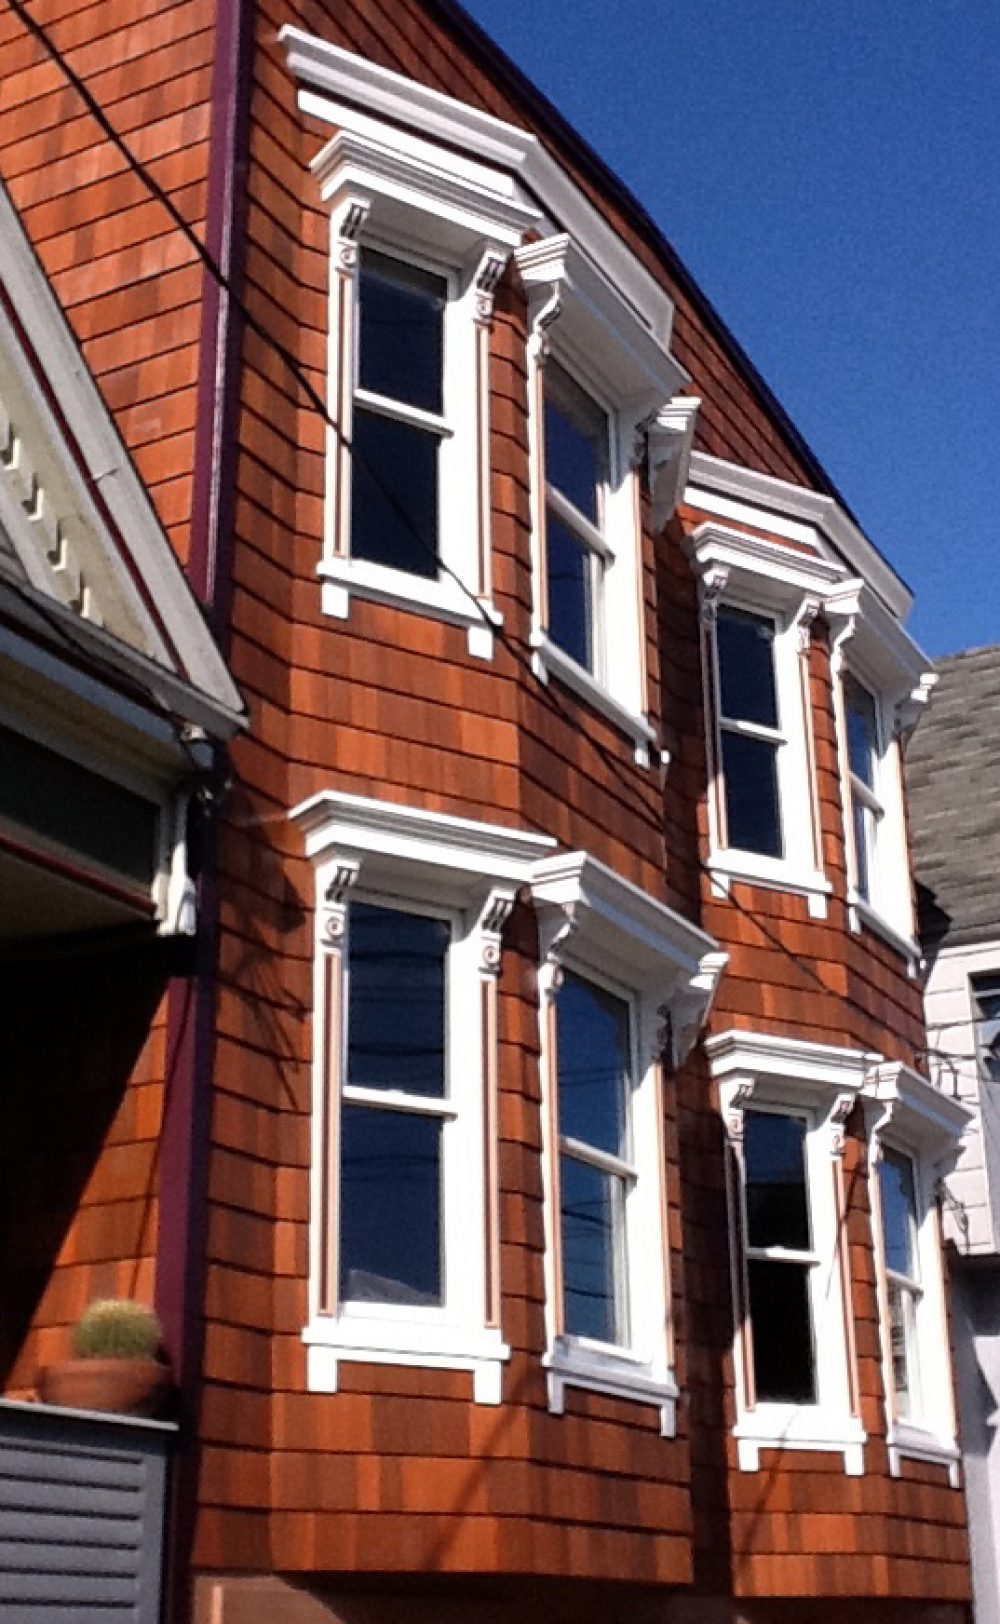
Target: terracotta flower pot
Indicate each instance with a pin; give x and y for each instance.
(125, 1386)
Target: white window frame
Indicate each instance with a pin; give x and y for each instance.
(469, 873)
(607, 348)
(869, 643)
(415, 201)
(787, 586)
(614, 935)
(907, 1113)
(820, 1083)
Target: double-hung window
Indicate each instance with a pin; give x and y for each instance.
(577, 449)
(405, 1245)
(750, 736)
(864, 754)
(400, 426)
(914, 1134)
(782, 1263)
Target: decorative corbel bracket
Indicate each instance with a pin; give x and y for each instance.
(335, 897)
(735, 1097)
(805, 619)
(487, 279)
(689, 1007)
(910, 708)
(669, 439)
(711, 588)
(490, 927)
(347, 224)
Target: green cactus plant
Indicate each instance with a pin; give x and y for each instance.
(117, 1328)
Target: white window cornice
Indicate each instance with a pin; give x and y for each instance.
(800, 1072)
(904, 1106)
(785, 579)
(875, 645)
(614, 928)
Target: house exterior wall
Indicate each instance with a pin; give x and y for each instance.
(399, 1473)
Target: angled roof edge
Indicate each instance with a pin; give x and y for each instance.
(68, 409)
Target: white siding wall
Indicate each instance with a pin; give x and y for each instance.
(975, 1182)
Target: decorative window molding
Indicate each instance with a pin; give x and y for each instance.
(595, 643)
(393, 859)
(882, 682)
(783, 590)
(613, 956)
(815, 1087)
(913, 1133)
(414, 204)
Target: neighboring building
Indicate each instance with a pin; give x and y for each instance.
(954, 782)
(533, 1163)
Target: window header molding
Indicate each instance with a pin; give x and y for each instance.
(731, 562)
(903, 1106)
(338, 83)
(812, 1075)
(875, 645)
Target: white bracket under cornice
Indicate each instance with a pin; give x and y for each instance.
(669, 440)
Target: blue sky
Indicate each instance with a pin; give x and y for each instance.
(829, 170)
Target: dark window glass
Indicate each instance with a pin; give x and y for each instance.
(592, 1239)
(576, 442)
(746, 668)
(396, 1010)
(592, 1043)
(390, 1206)
(899, 1207)
(862, 731)
(774, 1161)
(394, 506)
(569, 579)
(401, 345)
(750, 775)
(781, 1325)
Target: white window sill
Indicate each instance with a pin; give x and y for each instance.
(550, 661)
(417, 1344)
(441, 599)
(773, 872)
(799, 1426)
(573, 1364)
(862, 914)
(909, 1441)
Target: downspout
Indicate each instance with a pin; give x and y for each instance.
(191, 1005)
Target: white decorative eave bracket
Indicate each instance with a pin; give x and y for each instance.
(786, 579)
(904, 1106)
(669, 439)
(598, 325)
(617, 929)
(876, 646)
(461, 852)
(409, 190)
(351, 92)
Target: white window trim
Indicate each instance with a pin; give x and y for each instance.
(869, 642)
(822, 1083)
(763, 577)
(417, 201)
(906, 1112)
(400, 856)
(610, 932)
(601, 341)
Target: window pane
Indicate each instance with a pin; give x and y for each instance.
(592, 1048)
(396, 1000)
(775, 1170)
(746, 667)
(862, 730)
(570, 567)
(401, 345)
(750, 776)
(864, 842)
(394, 501)
(593, 1252)
(781, 1327)
(390, 1207)
(576, 442)
(903, 1348)
(899, 1213)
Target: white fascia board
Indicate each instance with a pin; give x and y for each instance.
(110, 468)
(765, 570)
(912, 1108)
(621, 922)
(771, 1057)
(334, 820)
(770, 494)
(407, 174)
(347, 78)
(879, 648)
(630, 363)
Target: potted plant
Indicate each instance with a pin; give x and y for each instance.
(115, 1364)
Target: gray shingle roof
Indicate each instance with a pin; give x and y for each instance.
(953, 775)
